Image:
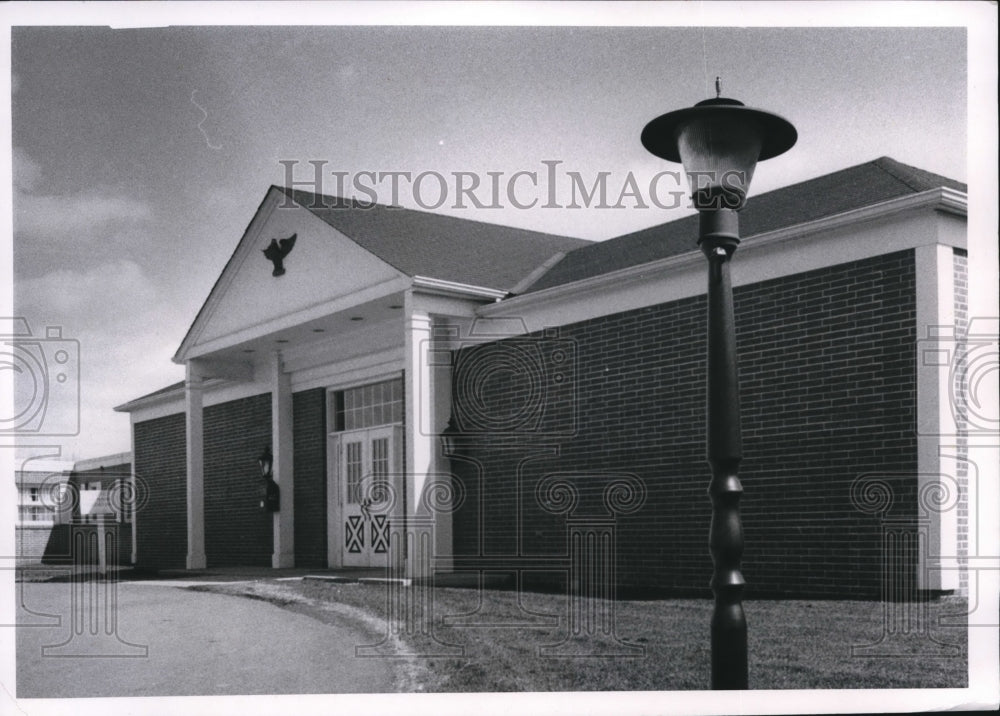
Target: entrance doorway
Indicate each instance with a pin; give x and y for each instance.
(367, 460)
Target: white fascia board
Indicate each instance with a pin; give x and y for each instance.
(366, 369)
(681, 276)
(93, 463)
(143, 413)
(150, 401)
(192, 347)
(216, 390)
(355, 370)
(342, 303)
(40, 468)
(452, 288)
(942, 198)
(228, 274)
(953, 201)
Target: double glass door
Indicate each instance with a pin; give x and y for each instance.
(366, 472)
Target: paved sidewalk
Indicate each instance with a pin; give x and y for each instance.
(62, 573)
(164, 641)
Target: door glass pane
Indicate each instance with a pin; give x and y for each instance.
(354, 469)
(380, 465)
(380, 457)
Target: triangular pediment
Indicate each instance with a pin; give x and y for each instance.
(323, 268)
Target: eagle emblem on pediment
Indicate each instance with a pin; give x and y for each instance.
(276, 252)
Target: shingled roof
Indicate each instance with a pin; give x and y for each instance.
(852, 188)
(419, 243)
(423, 244)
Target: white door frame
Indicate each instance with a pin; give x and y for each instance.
(357, 537)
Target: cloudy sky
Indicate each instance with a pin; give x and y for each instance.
(140, 155)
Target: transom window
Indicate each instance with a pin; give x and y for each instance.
(368, 406)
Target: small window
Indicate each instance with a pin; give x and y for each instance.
(34, 494)
(367, 406)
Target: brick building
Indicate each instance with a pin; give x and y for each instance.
(449, 395)
(63, 504)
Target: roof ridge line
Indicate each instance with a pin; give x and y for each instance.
(539, 271)
(881, 164)
(355, 203)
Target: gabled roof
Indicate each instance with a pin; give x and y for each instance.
(488, 255)
(420, 243)
(844, 190)
(173, 389)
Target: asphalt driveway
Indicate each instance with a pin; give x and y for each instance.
(157, 640)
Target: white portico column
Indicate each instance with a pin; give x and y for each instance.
(195, 459)
(281, 438)
(937, 468)
(427, 486)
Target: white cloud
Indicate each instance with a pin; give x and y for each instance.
(27, 171)
(120, 331)
(115, 294)
(78, 214)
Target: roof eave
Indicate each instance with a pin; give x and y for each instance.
(147, 401)
(194, 330)
(442, 287)
(92, 463)
(943, 199)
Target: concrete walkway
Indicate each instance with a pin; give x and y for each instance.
(158, 640)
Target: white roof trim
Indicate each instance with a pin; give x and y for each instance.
(192, 347)
(92, 463)
(943, 198)
(229, 271)
(46, 466)
(452, 288)
(320, 310)
(167, 396)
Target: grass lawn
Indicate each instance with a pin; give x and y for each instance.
(503, 641)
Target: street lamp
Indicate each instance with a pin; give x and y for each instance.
(719, 141)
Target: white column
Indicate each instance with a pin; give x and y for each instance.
(426, 417)
(132, 510)
(936, 429)
(440, 385)
(195, 453)
(281, 439)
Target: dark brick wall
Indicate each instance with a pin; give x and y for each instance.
(828, 390)
(159, 456)
(237, 531)
(309, 418)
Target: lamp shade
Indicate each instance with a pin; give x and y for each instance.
(719, 141)
(266, 461)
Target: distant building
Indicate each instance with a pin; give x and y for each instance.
(453, 395)
(42, 503)
(60, 503)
